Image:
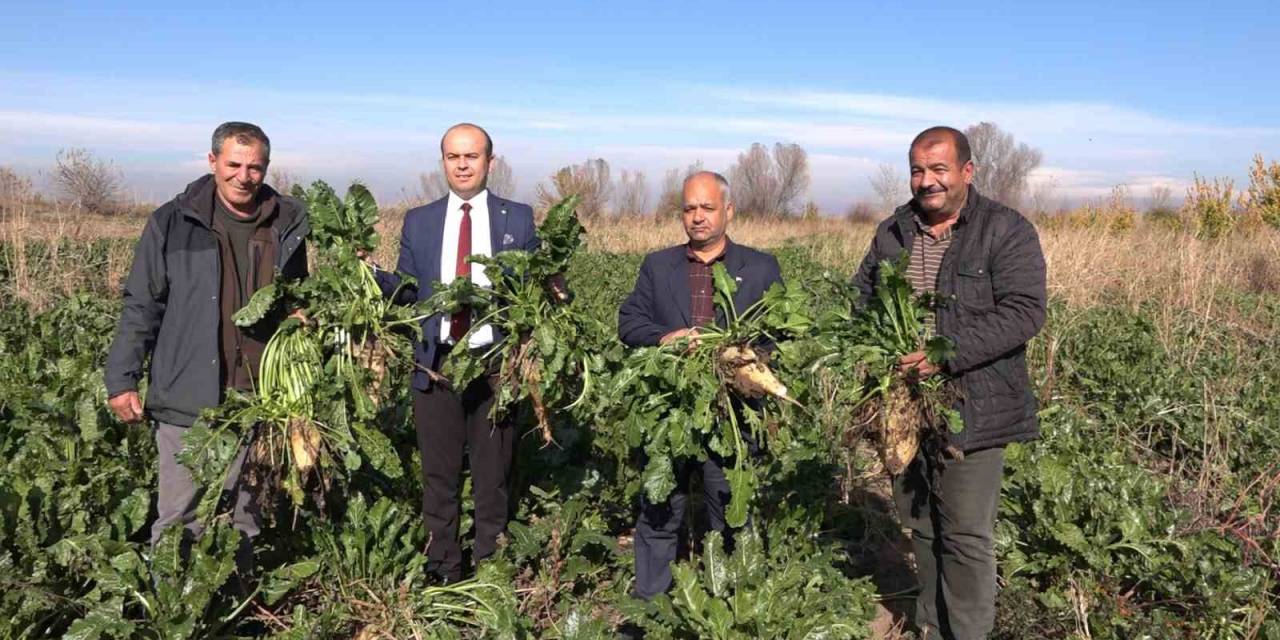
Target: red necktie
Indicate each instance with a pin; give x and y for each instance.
(461, 320)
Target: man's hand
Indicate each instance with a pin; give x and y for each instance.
(917, 366)
(300, 316)
(127, 407)
(681, 333)
(367, 258)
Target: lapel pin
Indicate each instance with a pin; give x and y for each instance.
(502, 211)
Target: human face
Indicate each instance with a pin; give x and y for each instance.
(939, 183)
(705, 214)
(466, 161)
(238, 171)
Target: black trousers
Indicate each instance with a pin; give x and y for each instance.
(657, 531)
(449, 423)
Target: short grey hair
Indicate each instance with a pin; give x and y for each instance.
(725, 192)
(243, 133)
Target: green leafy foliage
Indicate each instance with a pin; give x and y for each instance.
(546, 350)
(784, 591)
(1147, 511)
(688, 400)
(323, 383)
(853, 361)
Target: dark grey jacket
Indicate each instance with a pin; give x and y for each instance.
(171, 303)
(992, 286)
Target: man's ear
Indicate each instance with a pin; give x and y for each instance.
(728, 212)
(968, 172)
(213, 163)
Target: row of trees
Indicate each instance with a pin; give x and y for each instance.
(773, 182)
(766, 181)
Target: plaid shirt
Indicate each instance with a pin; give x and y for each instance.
(701, 286)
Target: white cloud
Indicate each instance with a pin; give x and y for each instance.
(387, 138)
(74, 129)
(1026, 118)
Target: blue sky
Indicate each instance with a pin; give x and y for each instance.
(1111, 92)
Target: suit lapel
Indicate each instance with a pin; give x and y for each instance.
(678, 284)
(435, 241)
(735, 263)
(497, 223)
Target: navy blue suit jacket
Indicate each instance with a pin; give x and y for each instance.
(662, 302)
(421, 241)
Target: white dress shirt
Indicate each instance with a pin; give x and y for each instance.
(480, 245)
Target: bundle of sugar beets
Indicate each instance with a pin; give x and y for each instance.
(546, 348)
(324, 373)
(711, 395)
(861, 345)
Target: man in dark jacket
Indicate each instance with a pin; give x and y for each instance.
(674, 296)
(201, 257)
(984, 262)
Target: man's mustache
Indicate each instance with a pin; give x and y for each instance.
(924, 191)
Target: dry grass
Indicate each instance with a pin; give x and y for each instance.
(47, 255)
(1088, 264)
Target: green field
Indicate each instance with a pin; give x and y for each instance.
(1147, 510)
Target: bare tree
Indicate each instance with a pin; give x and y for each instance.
(791, 162)
(1044, 196)
(671, 200)
(15, 190)
(631, 197)
(590, 181)
(1161, 198)
(432, 186)
(1002, 164)
(502, 180)
(89, 183)
(890, 188)
(282, 180)
(767, 184)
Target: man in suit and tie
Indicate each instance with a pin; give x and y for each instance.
(434, 244)
(674, 296)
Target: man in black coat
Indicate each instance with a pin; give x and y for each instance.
(984, 262)
(674, 296)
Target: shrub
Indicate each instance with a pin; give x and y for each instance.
(1264, 191)
(88, 182)
(1209, 207)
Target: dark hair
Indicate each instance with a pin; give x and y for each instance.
(958, 139)
(241, 132)
(488, 142)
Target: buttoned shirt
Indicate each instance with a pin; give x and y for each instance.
(702, 286)
(480, 246)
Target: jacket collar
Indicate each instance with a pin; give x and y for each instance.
(905, 216)
(196, 202)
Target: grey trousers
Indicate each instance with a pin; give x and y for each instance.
(178, 495)
(952, 520)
